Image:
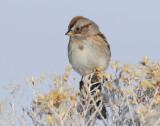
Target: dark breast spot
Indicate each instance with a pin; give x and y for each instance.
(80, 47)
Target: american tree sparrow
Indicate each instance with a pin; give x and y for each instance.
(87, 48)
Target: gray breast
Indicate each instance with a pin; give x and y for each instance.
(85, 56)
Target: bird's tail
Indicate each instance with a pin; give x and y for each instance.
(96, 85)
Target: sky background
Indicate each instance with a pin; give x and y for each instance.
(33, 41)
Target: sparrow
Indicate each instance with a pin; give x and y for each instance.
(88, 48)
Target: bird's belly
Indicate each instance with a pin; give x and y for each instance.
(85, 60)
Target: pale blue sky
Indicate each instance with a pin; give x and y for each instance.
(32, 40)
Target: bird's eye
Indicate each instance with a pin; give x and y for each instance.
(78, 28)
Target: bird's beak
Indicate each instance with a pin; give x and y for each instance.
(70, 33)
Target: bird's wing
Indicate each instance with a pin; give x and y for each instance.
(104, 38)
